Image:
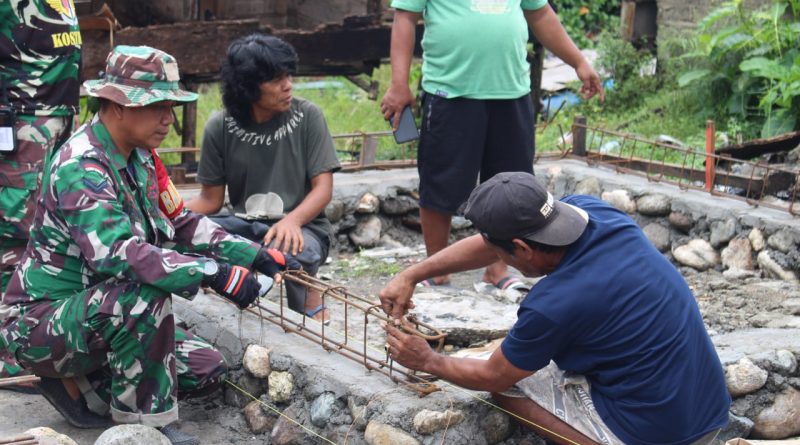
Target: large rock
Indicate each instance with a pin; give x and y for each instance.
(427, 421)
(738, 254)
(681, 221)
(257, 419)
(132, 434)
(744, 377)
(399, 205)
(281, 385)
(722, 232)
(256, 361)
(697, 254)
(367, 233)
(782, 419)
(658, 235)
(496, 427)
(358, 412)
(756, 238)
(381, 434)
(773, 268)
(47, 436)
(620, 199)
(322, 409)
(784, 240)
(654, 204)
(589, 186)
(368, 203)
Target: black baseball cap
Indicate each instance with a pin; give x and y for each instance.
(516, 205)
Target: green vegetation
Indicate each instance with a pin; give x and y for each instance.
(357, 267)
(584, 20)
(748, 63)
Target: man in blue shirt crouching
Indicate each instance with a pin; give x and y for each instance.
(609, 347)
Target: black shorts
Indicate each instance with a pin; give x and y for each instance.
(462, 138)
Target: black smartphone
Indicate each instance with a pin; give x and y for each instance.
(407, 130)
(8, 133)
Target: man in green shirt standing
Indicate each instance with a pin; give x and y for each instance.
(477, 117)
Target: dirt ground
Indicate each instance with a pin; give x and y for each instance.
(726, 304)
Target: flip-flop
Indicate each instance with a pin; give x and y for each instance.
(512, 282)
(428, 282)
(312, 312)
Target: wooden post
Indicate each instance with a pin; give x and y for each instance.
(189, 128)
(579, 136)
(369, 150)
(710, 160)
(627, 19)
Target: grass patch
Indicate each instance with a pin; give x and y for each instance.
(358, 267)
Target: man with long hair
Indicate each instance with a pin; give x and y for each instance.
(275, 155)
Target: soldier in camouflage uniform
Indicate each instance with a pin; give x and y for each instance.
(39, 61)
(91, 300)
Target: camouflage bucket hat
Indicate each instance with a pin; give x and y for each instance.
(137, 76)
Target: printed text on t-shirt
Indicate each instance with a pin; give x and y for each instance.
(255, 138)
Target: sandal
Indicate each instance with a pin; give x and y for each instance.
(312, 312)
(512, 282)
(428, 282)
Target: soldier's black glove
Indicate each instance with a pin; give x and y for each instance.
(271, 261)
(235, 283)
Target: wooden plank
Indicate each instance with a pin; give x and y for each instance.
(354, 47)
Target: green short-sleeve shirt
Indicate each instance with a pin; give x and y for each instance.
(474, 48)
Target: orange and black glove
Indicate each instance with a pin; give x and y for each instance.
(235, 283)
(271, 261)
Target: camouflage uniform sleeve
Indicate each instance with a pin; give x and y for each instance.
(197, 234)
(98, 224)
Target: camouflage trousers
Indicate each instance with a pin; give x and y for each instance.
(119, 341)
(20, 178)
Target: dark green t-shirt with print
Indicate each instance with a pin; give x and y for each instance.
(277, 157)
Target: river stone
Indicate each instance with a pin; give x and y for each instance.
(654, 204)
(367, 233)
(348, 222)
(381, 434)
(782, 419)
(739, 274)
(784, 240)
(256, 361)
(334, 211)
(738, 426)
(398, 205)
(756, 238)
(460, 223)
(785, 361)
(738, 254)
(722, 232)
(358, 412)
(589, 186)
(322, 409)
(681, 221)
(368, 203)
(697, 254)
(772, 268)
(130, 434)
(792, 305)
(496, 427)
(257, 419)
(48, 436)
(658, 235)
(286, 432)
(620, 199)
(427, 421)
(744, 377)
(281, 384)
